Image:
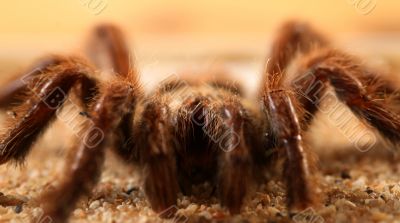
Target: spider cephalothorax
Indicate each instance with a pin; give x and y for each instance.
(187, 132)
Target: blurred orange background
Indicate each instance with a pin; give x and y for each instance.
(32, 28)
(188, 30)
(179, 16)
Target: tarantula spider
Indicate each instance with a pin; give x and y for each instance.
(171, 132)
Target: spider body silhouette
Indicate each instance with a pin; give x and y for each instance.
(186, 132)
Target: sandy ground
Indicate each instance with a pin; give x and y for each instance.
(355, 186)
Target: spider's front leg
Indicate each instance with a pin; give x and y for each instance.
(318, 67)
(284, 111)
(46, 93)
(347, 76)
(85, 161)
(281, 112)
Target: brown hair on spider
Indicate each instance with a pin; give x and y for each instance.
(187, 132)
